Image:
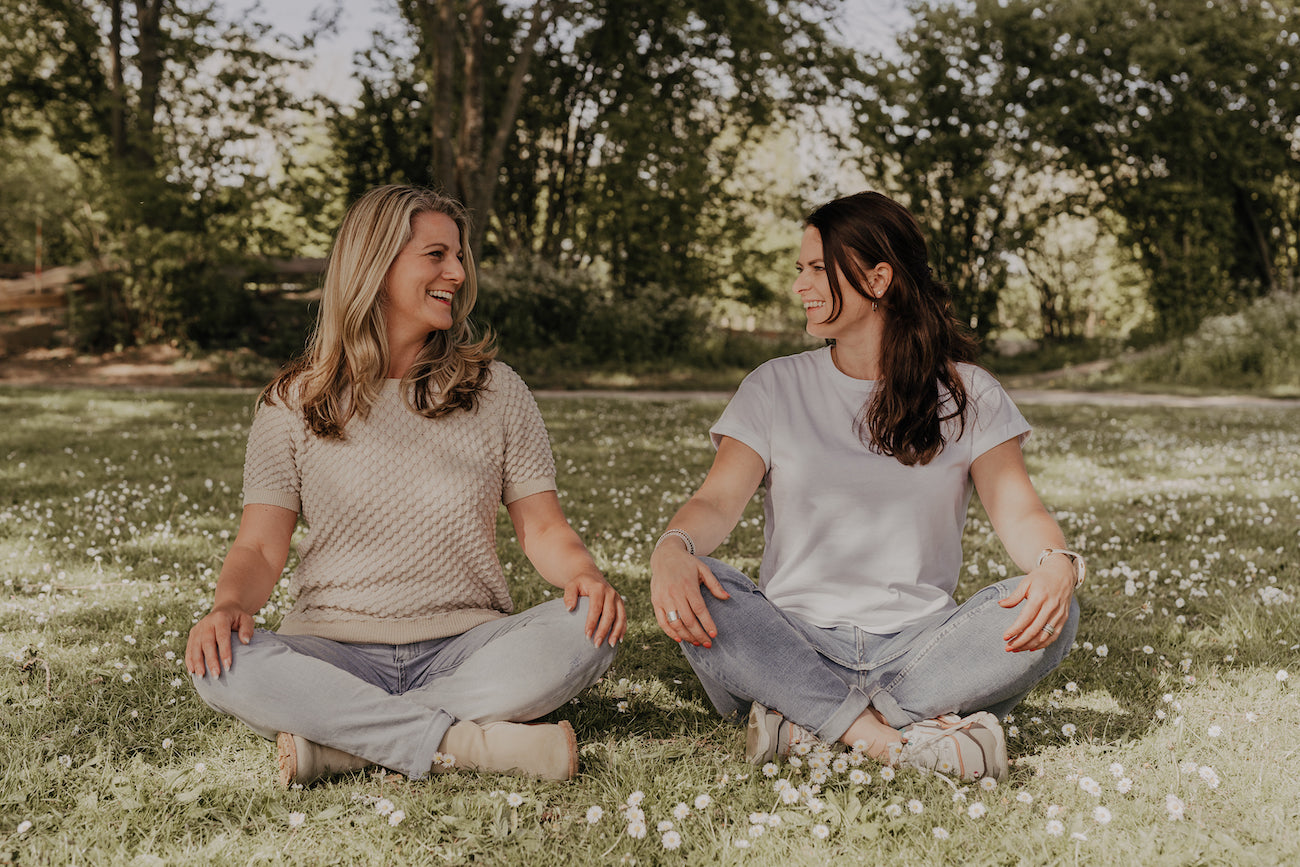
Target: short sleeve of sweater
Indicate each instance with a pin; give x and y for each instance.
(529, 466)
(270, 467)
(748, 417)
(996, 418)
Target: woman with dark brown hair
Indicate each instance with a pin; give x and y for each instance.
(869, 449)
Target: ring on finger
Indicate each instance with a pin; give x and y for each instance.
(672, 617)
(1047, 627)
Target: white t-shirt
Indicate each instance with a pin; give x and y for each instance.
(854, 537)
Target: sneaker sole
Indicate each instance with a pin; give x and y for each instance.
(573, 748)
(987, 729)
(760, 745)
(286, 759)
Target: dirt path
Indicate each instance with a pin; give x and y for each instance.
(146, 367)
(165, 367)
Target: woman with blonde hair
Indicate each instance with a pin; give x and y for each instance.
(395, 438)
(869, 449)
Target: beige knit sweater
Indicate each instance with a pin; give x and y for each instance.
(401, 514)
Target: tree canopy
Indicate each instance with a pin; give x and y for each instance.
(613, 137)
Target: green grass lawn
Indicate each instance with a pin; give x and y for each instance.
(1169, 736)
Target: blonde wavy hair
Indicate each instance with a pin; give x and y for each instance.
(346, 361)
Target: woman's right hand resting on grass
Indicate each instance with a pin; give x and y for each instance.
(248, 576)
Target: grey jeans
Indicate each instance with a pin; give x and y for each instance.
(392, 704)
(822, 679)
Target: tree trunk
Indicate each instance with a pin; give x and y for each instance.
(1258, 241)
(491, 167)
(442, 24)
(117, 86)
(469, 141)
(150, 60)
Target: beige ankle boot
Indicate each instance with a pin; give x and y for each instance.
(544, 750)
(302, 761)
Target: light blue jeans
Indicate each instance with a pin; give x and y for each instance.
(392, 704)
(823, 679)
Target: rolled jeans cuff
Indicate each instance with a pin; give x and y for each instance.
(854, 704)
(422, 761)
(884, 703)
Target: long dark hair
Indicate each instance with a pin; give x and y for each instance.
(923, 340)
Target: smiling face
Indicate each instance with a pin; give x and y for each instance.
(826, 318)
(423, 279)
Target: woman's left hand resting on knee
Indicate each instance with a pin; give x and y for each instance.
(560, 557)
(676, 574)
(1025, 528)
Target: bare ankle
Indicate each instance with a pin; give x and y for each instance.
(872, 731)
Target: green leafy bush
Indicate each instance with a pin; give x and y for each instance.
(1255, 349)
(575, 319)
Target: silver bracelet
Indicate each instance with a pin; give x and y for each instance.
(1076, 560)
(681, 534)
